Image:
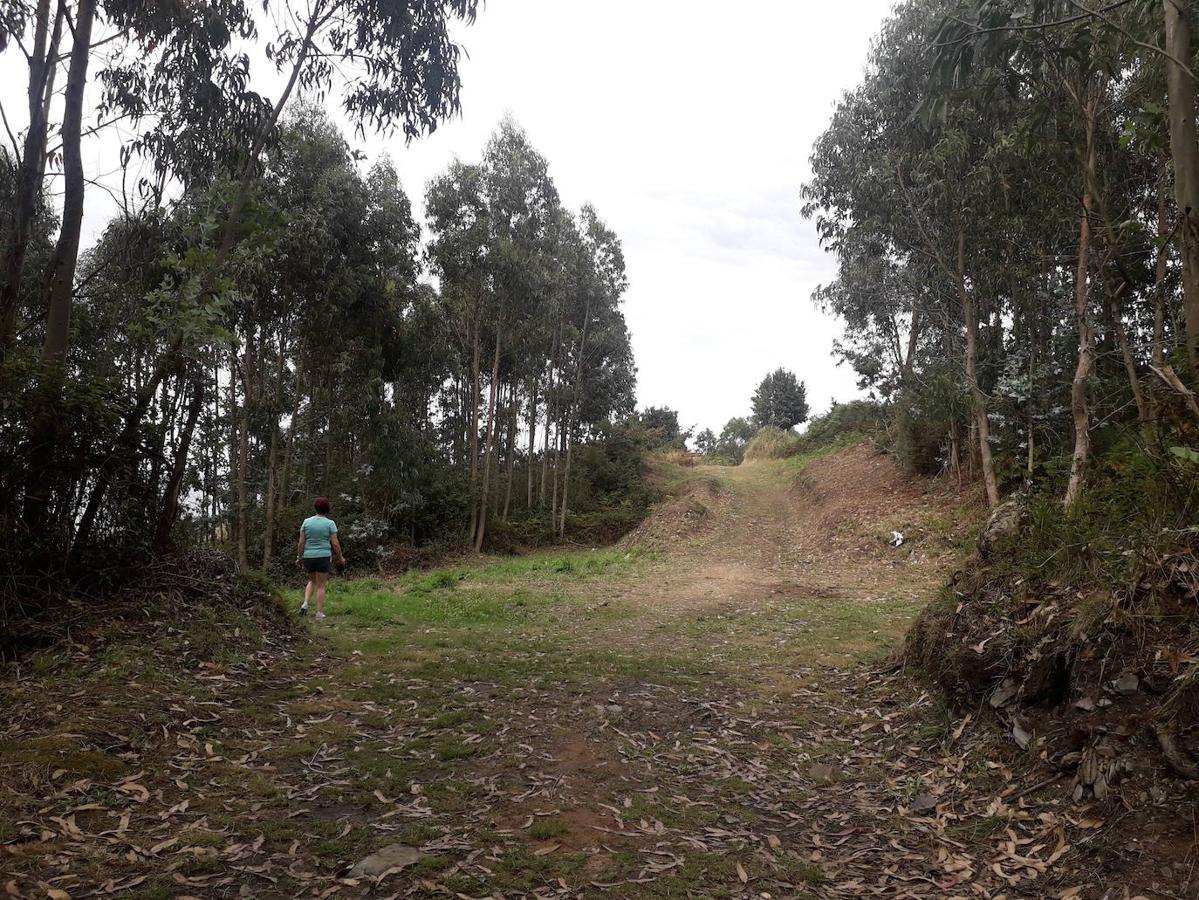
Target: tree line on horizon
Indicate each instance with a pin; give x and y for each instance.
(1010, 194)
(780, 402)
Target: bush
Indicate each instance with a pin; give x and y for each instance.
(856, 419)
(773, 443)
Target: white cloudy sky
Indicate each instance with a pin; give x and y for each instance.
(688, 124)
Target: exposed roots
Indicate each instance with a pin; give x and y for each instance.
(1177, 759)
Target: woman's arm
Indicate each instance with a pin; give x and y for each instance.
(341, 558)
(300, 547)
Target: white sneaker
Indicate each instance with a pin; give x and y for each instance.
(319, 615)
(303, 609)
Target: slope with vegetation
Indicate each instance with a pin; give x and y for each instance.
(1009, 197)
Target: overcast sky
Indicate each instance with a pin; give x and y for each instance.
(688, 124)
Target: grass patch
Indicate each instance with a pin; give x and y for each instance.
(502, 592)
(544, 829)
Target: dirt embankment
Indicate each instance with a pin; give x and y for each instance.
(1102, 677)
(690, 512)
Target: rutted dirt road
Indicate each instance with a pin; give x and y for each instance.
(709, 717)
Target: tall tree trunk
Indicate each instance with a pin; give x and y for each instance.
(1159, 274)
(29, 173)
(1184, 147)
(532, 441)
(550, 411)
(545, 444)
(169, 510)
(955, 453)
(61, 274)
(565, 480)
(1114, 316)
(1030, 462)
(272, 473)
(268, 507)
(283, 497)
(330, 412)
(978, 400)
(166, 418)
(1112, 309)
(511, 451)
(1157, 353)
(210, 449)
(1086, 335)
(554, 471)
(576, 403)
(234, 443)
(45, 476)
(243, 459)
(481, 530)
(473, 424)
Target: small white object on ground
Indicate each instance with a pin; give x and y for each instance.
(896, 538)
(1128, 683)
(391, 858)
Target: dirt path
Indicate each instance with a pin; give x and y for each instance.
(750, 538)
(701, 712)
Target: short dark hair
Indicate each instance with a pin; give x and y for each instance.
(321, 505)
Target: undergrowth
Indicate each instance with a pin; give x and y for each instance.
(1134, 508)
(1072, 599)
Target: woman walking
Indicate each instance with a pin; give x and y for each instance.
(318, 544)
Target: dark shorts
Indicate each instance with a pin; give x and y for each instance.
(318, 564)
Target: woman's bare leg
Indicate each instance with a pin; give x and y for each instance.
(321, 578)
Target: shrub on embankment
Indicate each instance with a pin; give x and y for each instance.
(843, 425)
(1080, 625)
(772, 443)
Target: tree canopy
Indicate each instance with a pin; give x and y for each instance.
(1000, 193)
(780, 401)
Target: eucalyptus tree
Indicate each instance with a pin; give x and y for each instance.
(523, 207)
(459, 254)
(598, 343)
(996, 193)
(1153, 34)
(887, 184)
(1064, 73)
(178, 77)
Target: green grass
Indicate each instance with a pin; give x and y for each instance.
(544, 829)
(500, 592)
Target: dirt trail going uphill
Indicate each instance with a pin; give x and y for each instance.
(753, 539)
(703, 711)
